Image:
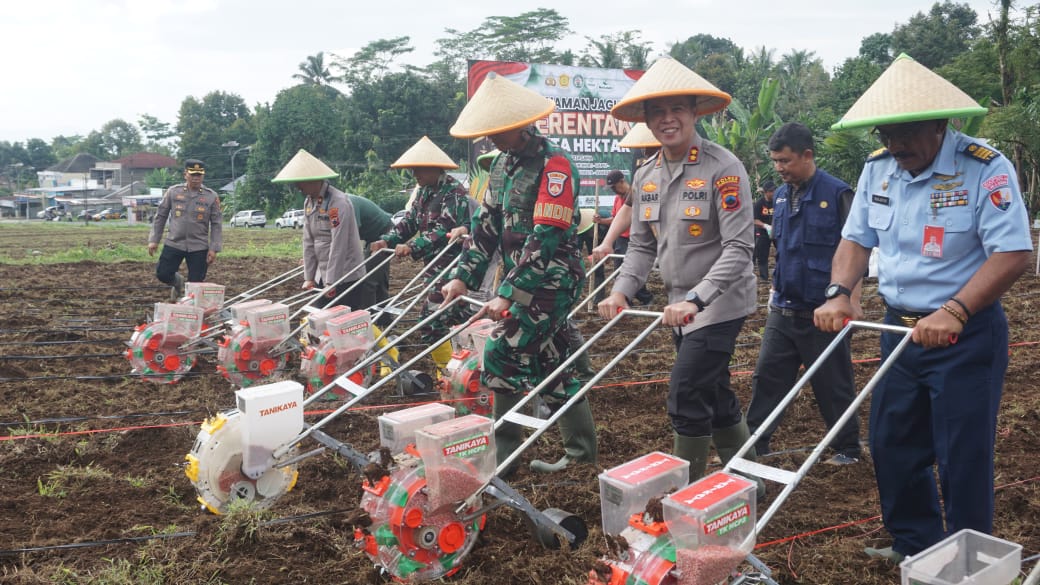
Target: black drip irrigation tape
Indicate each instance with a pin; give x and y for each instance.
(113, 341)
(74, 419)
(60, 357)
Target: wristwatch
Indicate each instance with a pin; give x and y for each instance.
(693, 297)
(834, 289)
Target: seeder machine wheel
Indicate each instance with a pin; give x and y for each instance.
(156, 356)
(215, 468)
(407, 537)
(245, 363)
(462, 388)
(320, 365)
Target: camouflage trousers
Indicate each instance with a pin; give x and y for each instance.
(531, 345)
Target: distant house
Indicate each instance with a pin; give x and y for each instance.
(71, 172)
(137, 166)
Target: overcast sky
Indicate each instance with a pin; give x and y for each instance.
(69, 66)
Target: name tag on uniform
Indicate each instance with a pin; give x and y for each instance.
(932, 242)
(879, 199)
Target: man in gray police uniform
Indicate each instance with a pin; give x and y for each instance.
(195, 236)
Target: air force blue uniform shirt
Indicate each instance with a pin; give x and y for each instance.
(935, 230)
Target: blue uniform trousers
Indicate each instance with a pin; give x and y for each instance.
(939, 406)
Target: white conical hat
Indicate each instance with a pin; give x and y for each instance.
(639, 136)
(424, 154)
(304, 167)
(668, 77)
(499, 105)
(908, 92)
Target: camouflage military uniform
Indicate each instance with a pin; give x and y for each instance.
(436, 210)
(529, 215)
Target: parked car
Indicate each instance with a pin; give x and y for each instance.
(86, 214)
(249, 218)
(290, 219)
(52, 212)
(108, 213)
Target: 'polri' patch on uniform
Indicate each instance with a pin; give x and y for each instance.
(981, 153)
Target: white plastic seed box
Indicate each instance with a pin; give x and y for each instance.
(179, 321)
(624, 490)
(239, 310)
(397, 429)
(712, 523)
(966, 557)
(317, 320)
(351, 330)
(268, 324)
(459, 456)
(205, 295)
(273, 415)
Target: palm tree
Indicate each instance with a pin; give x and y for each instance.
(314, 71)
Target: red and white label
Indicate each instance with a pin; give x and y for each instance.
(710, 491)
(648, 466)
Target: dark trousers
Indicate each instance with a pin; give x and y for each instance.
(939, 406)
(170, 262)
(700, 397)
(587, 243)
(790, 342)
(762, 244)
(643, 296)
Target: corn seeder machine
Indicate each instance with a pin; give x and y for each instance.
(433, 479)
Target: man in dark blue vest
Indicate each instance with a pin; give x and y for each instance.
(808, 213)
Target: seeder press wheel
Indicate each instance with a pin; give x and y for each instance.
(157, 356)
(215, 468)
(408, 539)
(244, 363)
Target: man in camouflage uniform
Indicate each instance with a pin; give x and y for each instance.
(332, 251)
(529, 216)
(193, 213)
(440, 205)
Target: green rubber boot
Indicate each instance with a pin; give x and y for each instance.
(509, 436)
(579, 439)
(694, 450)
(729, 440)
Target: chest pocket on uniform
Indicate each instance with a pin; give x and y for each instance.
(821, 224)
(954, 219)
(879, 217)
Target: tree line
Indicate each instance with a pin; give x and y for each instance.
(359, 112)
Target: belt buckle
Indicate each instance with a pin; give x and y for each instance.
(908, 320)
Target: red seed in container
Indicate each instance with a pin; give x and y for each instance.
(453, 485)
(706, 565)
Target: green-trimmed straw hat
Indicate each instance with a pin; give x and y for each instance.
(908, 92)
(424, 154)
(304, 167)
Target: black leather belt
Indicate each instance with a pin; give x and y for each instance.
(806, 314)
(908, 318)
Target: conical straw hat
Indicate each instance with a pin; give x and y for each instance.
(668, 77)
(424, 154)
(500, 105)
(908, 92)
(304, 167)
(586, 219)
(639, 136)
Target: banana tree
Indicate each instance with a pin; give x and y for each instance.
(745, 132)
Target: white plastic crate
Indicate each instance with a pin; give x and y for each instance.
(624, 490)
(966, 557)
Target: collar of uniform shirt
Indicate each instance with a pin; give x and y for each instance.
(797, 190)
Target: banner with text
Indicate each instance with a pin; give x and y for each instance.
(581, 125)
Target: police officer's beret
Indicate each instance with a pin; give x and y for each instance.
(195, 166)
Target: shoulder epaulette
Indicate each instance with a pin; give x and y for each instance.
(981, 152)
(649, 159)
(878, 154)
